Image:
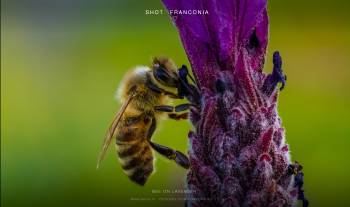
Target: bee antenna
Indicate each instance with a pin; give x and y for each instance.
(189, 75)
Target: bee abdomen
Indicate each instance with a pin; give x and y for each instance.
(136, 160)
(128, 150)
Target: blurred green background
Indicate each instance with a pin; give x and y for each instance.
(61, 62)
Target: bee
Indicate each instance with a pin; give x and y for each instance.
(145, 93)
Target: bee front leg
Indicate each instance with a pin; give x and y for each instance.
(158, 90)
(172, 95)
(180, 158)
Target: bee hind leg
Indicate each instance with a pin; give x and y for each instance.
(169, 153)
(180, 158)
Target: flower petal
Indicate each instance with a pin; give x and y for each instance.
(214, 39)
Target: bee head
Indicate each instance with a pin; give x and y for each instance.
(164, 71)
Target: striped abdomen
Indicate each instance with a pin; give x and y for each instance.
(134, 151)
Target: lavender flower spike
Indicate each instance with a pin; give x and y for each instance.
(238, 153)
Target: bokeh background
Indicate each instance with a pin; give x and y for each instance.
(62, 60)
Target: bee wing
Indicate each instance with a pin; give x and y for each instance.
(111, 130)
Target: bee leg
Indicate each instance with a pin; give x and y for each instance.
(164, 108)
(178, 108)
(169, 153)
(182, 107)
(172, 95)
(152, 129)
(178, 116)
(156, 89)
(180, 158)
(172, 111)
(153, 87)
(277, 76)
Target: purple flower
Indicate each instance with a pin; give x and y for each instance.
(238, 153)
